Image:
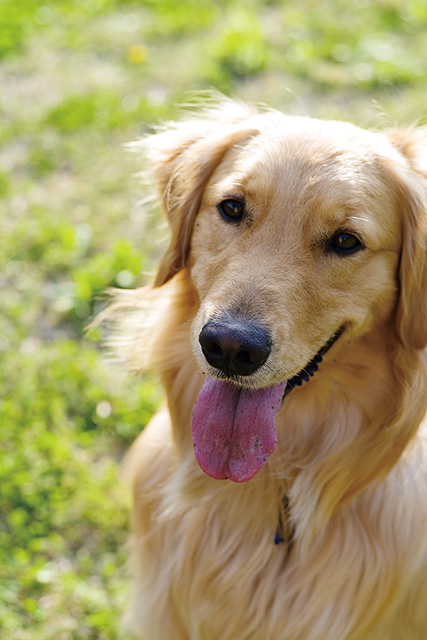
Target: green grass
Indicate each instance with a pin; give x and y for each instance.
(78, 80)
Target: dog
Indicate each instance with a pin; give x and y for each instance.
(281, 492)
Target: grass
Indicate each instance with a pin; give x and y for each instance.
(79, 80)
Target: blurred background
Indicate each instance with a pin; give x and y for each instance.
(78, 80)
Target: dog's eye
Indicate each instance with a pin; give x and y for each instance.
(344, 243)
(231, 210)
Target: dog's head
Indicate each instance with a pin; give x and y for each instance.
(298, 234)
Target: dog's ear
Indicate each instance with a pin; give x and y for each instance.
(411, 183)
(182, 157)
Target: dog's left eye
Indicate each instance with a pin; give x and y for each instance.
(344, 243)
(231, 210)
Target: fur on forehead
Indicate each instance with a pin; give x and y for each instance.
(305, 163)
(318, 141)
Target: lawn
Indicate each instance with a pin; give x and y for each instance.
(78, 80)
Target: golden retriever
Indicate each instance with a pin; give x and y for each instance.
(281, 494)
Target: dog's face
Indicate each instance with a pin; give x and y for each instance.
(300, 236)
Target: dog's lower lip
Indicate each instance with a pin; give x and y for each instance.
(311, 367)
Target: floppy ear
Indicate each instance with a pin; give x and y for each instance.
(183, 157)
(411, 182)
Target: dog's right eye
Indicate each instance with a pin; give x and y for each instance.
(344, 243)
(231, 210)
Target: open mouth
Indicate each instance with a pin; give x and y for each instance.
(233, 427)
(309, 370)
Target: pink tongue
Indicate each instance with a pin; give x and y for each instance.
(233, 428)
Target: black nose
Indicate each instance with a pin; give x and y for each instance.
(234, 345)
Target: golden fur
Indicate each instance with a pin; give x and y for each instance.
(351, 455)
